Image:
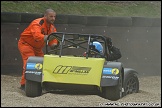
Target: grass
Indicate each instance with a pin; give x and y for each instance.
(93, 8)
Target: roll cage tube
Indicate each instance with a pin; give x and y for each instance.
(63, 37)
(47, 41)
(87, 53)
(89, 38)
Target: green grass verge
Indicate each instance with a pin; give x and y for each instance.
(122, 9)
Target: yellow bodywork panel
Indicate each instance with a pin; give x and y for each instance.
(73, 70)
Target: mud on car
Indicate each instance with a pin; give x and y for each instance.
(75, 65)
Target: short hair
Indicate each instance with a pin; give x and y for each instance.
(49, 10)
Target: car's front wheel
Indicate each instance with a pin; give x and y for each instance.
(33, 89)
(131, 84)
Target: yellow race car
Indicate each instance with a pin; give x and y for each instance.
(79, 62)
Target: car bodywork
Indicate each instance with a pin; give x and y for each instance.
(66, 65)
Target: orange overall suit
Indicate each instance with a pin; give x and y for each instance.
(31, 41)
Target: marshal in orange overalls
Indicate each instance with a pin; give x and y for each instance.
(31, 41)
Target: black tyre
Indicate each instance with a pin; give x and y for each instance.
(33, 89)
(113, 92)
(131, 84)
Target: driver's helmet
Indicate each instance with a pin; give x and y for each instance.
(98, 46)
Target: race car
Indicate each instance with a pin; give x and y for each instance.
(75, 64)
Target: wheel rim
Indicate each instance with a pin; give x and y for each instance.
(131, 86)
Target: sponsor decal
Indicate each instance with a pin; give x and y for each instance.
(37, 66)
(30, 66)
(112, 77)
(107, 70)
(33, 72)
(71, 70)
(62, 69)
(113, 71)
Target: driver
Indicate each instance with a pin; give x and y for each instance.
(97, 46)
(33, 38)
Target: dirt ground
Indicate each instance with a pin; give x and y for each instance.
(11, 96)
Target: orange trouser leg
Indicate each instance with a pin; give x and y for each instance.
(26, 51)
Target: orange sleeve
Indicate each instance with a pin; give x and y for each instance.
(54, 41)
(36, 32)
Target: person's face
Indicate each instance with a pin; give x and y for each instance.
(50, 17)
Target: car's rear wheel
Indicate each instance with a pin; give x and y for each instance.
(131, 84)
(33, 89)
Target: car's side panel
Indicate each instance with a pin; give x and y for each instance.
(111, 73)
(72, 70)
(34, 68)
